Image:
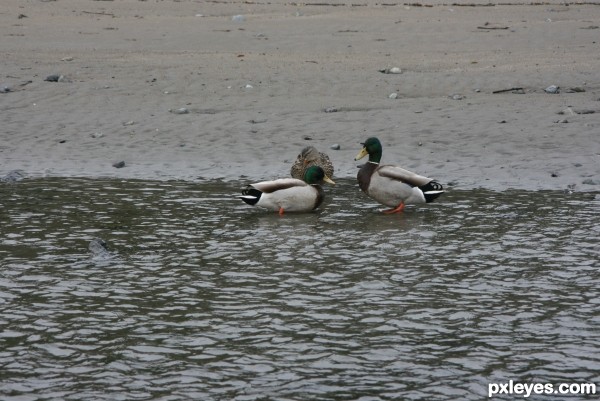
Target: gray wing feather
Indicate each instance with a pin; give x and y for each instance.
(398, 173)
(276, 185)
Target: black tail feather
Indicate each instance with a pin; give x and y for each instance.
(432, 190)
(251, 195)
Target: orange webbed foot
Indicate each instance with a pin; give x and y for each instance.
(398, 209)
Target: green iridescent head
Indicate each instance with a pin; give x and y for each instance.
(371, 147)
(316, 175)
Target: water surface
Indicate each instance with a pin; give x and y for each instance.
(203, 297)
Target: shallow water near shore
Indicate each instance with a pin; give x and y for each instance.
(203, 297)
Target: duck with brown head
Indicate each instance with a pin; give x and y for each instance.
(310, 156)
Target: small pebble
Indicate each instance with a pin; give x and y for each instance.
(331, 110)
(393, 70)
(306, 138)
(552, 89)
(53, 78)
(120, 164)
(456, 97)
(238, 18)
(5, 89)
(181, 110)
(393, 95)
(335, 146)
(259, 121)
(568, 111)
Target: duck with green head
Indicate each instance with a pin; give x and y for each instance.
(289, 194)
(391, 185)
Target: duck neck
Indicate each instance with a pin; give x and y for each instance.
(375, 157)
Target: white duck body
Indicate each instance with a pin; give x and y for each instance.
(289, 194)
(392, 185)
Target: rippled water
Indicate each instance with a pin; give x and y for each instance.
(203, 297)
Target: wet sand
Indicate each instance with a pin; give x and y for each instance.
(259, 87)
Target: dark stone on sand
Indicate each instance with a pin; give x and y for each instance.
(120, 164)
(570, 189)
(53, 78)
(5, 89)
(589, 181)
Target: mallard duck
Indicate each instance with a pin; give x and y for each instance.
(310, 156)
(391, 185)
(289, 194)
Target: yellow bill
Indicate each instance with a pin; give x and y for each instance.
(328, 180)
(361, 154)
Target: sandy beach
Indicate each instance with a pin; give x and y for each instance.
(195, 90)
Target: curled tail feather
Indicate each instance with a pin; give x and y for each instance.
(432, 190)
(251, 195)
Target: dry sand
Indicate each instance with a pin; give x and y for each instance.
(255, 88)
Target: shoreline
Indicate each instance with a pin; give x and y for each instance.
(254, 89)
